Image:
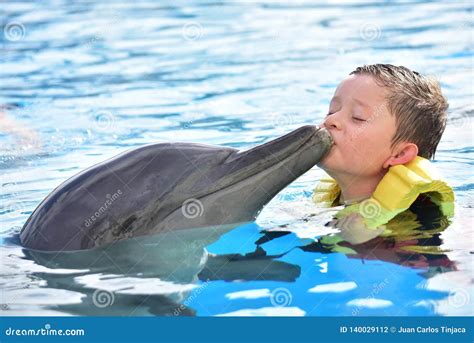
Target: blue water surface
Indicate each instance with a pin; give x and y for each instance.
(83, 81)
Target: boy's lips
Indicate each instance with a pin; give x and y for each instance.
(332, 136)
(330, 133)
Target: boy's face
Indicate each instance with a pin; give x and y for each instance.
(361, 126)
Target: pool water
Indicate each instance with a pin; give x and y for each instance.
(82, 82)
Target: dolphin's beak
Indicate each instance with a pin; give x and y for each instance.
(258, 174)
(290, 145)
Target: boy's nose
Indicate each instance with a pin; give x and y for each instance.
(331, 122)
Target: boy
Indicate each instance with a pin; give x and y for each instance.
(380, 116)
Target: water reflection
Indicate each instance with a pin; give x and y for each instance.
(144, 275)
(156, 275)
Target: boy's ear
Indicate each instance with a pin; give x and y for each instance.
(403, 154)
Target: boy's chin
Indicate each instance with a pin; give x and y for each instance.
(329, 167)
(321, 165)
(325, 163)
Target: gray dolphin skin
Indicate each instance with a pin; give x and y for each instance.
(170, 186)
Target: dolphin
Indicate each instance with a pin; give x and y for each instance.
(166, 187)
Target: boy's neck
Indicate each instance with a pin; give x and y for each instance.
(355, 189)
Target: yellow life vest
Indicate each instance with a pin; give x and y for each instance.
(395, 193)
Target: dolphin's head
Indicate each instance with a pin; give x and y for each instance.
(170, 186)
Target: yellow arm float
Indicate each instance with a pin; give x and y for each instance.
(395, 193)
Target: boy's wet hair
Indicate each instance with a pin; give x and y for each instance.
(416, 102)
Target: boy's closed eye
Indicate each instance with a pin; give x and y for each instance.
(356, 118)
